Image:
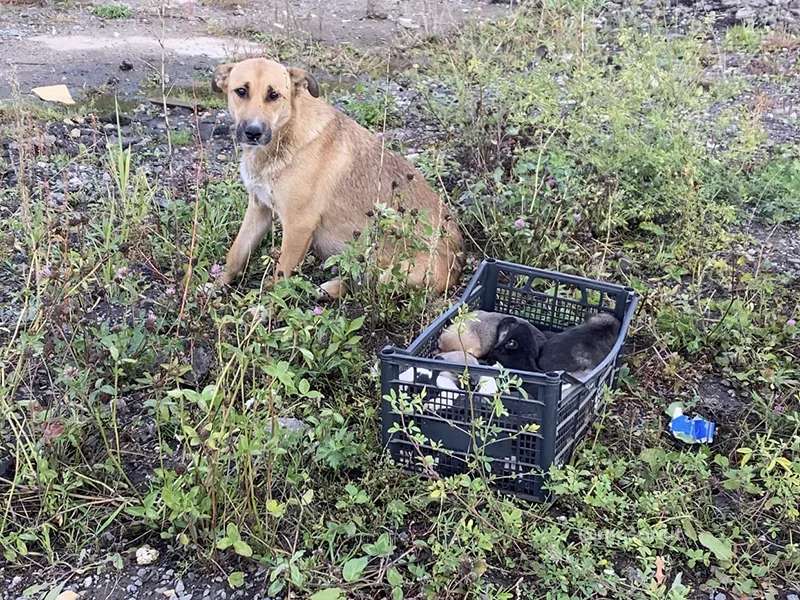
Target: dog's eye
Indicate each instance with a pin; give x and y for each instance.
(241, 92)
(272, 95)
(511, 345)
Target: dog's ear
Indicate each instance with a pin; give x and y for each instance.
(302, 78)
(219, 81)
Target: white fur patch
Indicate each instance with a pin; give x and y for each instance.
(261, 190)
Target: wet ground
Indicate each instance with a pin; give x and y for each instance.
(178, 42)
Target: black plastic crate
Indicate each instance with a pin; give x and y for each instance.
(452, 421)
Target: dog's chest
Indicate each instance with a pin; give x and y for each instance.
(259, 186)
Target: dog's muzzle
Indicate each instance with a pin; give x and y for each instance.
(253, 133)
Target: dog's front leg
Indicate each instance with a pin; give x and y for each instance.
(257, 221)
(294, 245)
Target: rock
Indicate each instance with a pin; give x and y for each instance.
(75, 133)
(210, 130)
(407, 23)
(111, 119)
(146, 555)
(201, 364)
(720, 596)
(745, 13)
(126, 65)
(87, 583)
(67, 595)
(74, 184)
(289, 424)
(15, 581)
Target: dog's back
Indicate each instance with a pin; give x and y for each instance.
(357, 172)
(580, 348)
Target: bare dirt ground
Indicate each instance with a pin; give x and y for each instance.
(47, 43)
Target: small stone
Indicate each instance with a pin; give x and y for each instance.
(126, 65)
(792, 597)
(720, 596)
(179, 587)
(87, 583)
(15, 582)
(407, 23)
(75, 133)
(221, 157)
(146, 555)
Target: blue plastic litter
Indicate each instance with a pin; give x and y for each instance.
(696, 430)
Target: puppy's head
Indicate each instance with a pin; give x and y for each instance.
(261, 95)
(517, 346)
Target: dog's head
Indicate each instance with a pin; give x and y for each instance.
(261, 95)
(517, 346)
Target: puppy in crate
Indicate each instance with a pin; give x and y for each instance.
(504, 340)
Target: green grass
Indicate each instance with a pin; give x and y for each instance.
(112, 430)
(113, 10)
(182, 137)
(744, 38)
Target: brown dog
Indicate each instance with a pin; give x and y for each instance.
(322, 174)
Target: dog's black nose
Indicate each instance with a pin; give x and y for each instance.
(253, 132)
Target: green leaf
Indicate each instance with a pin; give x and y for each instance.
(233, 532)
(224, 544)
(353, 568)
(382, 547)
(34, 589)
(242, 549)
(236, 579)
(394, 577)
(275, 508)
(328, 594)
(652, 228)
(276, 587)
(720, 548)
(55, 591)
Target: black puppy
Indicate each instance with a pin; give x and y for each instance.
(576, 350)
(518, 345)
(580, 349)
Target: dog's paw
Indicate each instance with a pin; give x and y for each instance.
(330, 290)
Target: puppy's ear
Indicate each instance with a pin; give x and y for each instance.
(219, 81)
(302, 79)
